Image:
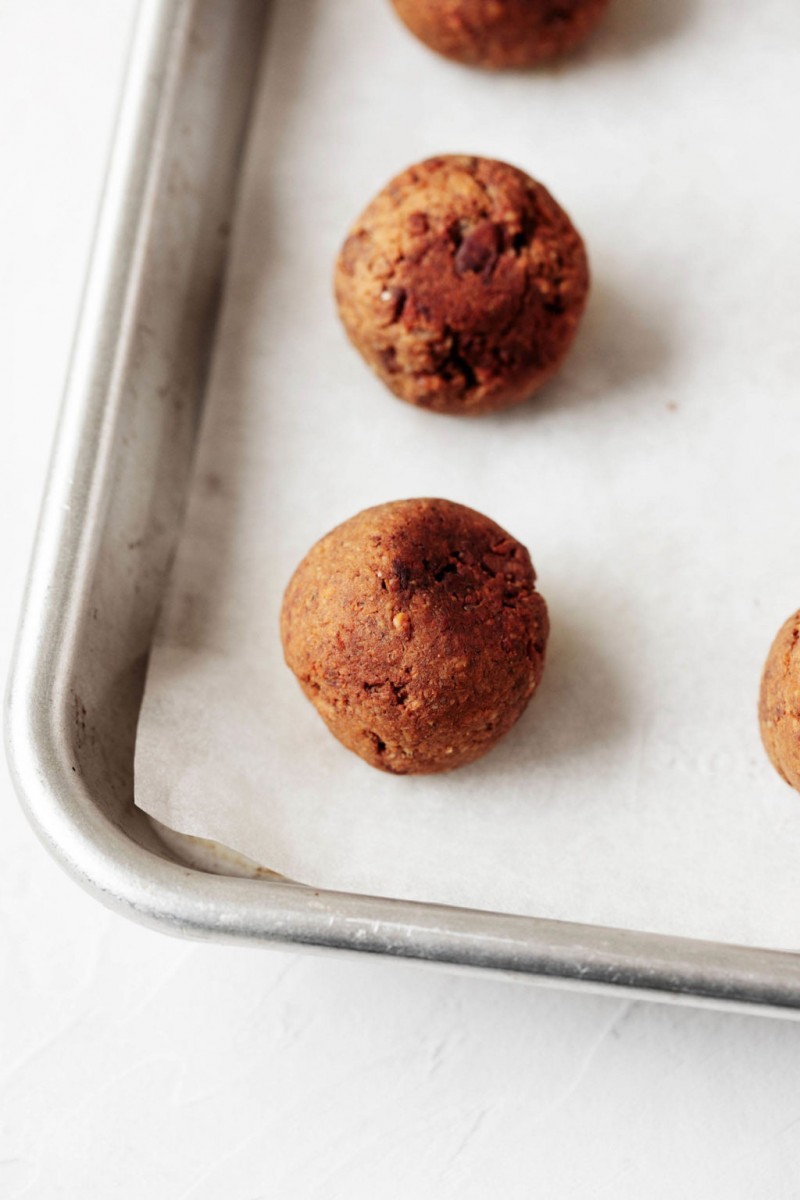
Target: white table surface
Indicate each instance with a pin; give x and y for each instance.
(133, 1065)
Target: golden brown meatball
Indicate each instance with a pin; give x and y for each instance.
(462, 285)
(779, 702)
(416, 630)
(501, 33)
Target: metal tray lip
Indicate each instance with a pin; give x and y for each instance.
(186, 902)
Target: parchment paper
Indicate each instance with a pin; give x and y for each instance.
(655, 482)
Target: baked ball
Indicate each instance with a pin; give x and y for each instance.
(462, 285)
(416, 630)
(779, 702)
(501, 33)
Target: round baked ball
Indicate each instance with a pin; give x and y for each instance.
(416, 630)
(779, 702)
(462, 285)
(501, 33)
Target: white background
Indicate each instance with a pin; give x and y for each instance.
(134, 1065)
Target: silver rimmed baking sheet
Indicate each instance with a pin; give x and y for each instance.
(127, 436)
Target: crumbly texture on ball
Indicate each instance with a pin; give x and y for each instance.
(416, 630)
(462, 285)
(501, 33)
(779, 702)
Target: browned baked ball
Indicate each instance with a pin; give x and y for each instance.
(501, 33)
(779, 702)
(416, 630)
(462, 285)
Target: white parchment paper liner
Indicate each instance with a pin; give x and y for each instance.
(655, 482)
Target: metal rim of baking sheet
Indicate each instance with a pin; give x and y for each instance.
(54, 737)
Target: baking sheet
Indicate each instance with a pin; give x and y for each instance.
(655, 482)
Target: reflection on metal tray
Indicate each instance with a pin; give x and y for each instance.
(108, 530)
